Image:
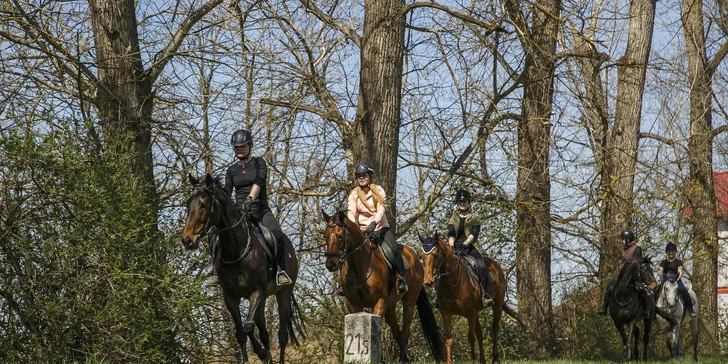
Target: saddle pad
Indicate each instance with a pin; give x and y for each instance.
(473, 272)
(389, 263)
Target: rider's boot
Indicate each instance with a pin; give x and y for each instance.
(282, 277)
(487, 300)
(603, 308)
(401, 285)
(691, 306)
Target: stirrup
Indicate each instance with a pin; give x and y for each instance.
(602, 311)
(282, 278)
(401, 283)
(487, 301)
(693, 314)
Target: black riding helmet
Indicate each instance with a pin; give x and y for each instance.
(363, 168)
(670, 246)
(461, 195)
(240, 138)
(627, 235)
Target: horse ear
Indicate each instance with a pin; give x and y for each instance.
(209, 181)
(437, 236)
(326, 216)
(193, 180)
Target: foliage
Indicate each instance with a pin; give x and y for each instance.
(82, 278)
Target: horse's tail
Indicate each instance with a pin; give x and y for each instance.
(512, 313)
(670, 321)
(704, 329)
(431, 331)
(296, 325)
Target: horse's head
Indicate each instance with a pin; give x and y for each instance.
(203, 211)
(639, 270)
(337, 237)
(669, 292)
(431, 256)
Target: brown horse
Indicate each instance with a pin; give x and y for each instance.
(368, 283)
(244, 270)
(458, 295)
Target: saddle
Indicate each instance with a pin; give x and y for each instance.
(472, 270)
(265, 237)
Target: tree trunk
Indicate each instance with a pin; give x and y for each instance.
(700, 195)
(124, 98)
(621, 157)
(533, 207)
(376, 128)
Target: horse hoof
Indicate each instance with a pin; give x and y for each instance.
(264, 356)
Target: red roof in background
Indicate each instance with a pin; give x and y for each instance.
(720, 186)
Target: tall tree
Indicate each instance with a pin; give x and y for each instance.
(533, 193)
(700, 195)
(620, 156)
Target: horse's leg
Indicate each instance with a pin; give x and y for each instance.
(646, 338)
(695, 334)
(262, 330)
(472, 319)
(256, 300)
(479, 337)
(630, 332)
(284, 318)
(408, 313)
(390, 317)
(495, 325)
(446, 318)
(233, 306)
(636, 343)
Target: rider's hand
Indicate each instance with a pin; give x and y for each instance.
(451, 241)
(370, 229)
(247, 204)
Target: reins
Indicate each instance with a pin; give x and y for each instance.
(206, 229)
(344, 254)
(457, 266)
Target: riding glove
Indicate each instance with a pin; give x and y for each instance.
(370, 229)
(247, 204)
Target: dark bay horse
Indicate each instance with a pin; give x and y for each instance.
(631, 301)
(244, 270)
(458, 295)
(368, 283)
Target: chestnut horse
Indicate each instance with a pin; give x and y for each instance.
(458, 295)
(244, 270)
(368, 283)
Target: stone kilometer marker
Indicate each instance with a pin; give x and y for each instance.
(362, 338)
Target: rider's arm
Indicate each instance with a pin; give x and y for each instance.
(474, 232)
(261, 174)
(381, 210)
(351, 206)
(637, 253)
(679, 272)
(660, 273)
(229, 181)
(451, 230)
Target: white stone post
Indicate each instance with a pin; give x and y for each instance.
(362, 338)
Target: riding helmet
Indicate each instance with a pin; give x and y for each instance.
(461, 195)
(363, 168)
(240, 138)
(627, 235)
(670, 246)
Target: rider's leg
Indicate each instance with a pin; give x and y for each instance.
(603, 309)
(270, 221)
(387, 237)
(683, 291)
(483, 273)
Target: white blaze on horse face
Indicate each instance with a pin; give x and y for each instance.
(671, 293)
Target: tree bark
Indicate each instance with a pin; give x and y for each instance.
(621, 157)
(533, 207)
(375, 138)
(700, 194)
(124, 98)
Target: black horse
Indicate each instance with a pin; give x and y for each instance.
(631, 301)
(244, 270)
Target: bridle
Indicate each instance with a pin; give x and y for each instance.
(440, 255)
(345, 253)
(215, 204)
(638, 285)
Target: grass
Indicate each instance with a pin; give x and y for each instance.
(702, 359)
